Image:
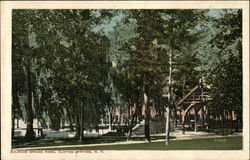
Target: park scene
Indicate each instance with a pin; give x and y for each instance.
(127, 79)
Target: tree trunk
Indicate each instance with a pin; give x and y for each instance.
(238, 120)
(30, 134)
(167, 124)
(13, 125)
(120, 116)
(131, 127)
(17, 123)
(169, 99)
(175, 116)
(15, 105)
(232, 122)
(81, 121)
(129, 106)
(70, 119)
(77, 121)
(147, 127)
(133, 120)
(223, 120)
(158, 105)
(110, 118)
(237, 123)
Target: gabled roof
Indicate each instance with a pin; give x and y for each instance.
(188, 94)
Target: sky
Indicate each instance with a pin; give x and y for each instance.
(216, 13)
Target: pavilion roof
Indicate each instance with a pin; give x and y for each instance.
(195, 95)
(186, 95)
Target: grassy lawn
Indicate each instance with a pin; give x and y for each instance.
(208, 143)
(40, 142)
(224, 143)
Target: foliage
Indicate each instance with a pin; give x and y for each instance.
(226, 76)
(65, 66)
(67, 60)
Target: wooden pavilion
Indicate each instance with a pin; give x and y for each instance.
(193, 103)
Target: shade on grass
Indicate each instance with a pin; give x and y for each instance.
(43, 142)
(223, 143)
(21, 143)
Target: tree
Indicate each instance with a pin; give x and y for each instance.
(144, 63)
(227, 95)
(180, 34)
(65, 62)
(23, 53)
(161, 53)
(124, 89)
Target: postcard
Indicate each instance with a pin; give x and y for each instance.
(125, 80)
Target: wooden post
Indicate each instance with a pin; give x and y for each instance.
(195, 120)
(183, 122)
(202, 117)
(180, 116)
(184, 117)
(189, 120)
(183, 126)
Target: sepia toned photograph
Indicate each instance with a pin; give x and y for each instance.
(99, 80)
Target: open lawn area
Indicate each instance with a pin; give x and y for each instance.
(205, 143)
(41, 142)
(224, 143)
